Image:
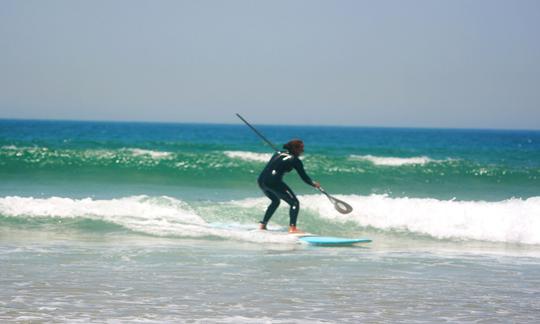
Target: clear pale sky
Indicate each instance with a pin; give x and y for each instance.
(432, 63)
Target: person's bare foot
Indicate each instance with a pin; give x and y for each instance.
(262, 227)
(294, 230)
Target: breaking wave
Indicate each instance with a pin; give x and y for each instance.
(508, 221)
(248, 156)
(394, 161)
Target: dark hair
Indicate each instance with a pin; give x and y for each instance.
(293, 146)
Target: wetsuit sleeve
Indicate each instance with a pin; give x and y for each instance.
(299, 166)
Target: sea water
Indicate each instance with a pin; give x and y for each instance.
(147, 222)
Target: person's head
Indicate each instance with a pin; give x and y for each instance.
(295, 147)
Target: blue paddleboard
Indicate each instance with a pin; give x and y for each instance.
(329, 240)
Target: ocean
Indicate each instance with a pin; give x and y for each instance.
(157, 222)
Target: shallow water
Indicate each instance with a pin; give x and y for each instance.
(102, 278)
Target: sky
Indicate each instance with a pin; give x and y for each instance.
(415, 63)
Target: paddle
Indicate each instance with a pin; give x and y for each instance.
(339, 205)
(258, 133)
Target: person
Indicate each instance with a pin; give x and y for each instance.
(271, 182)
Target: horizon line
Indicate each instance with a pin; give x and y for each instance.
(260, 124)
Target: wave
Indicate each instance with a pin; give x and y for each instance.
(248, 156)
(394, 161)
(125, 158)
(152, 154)
(158, 216)
(513, 220)
(10, 150)
(508, 221)
(192, 162)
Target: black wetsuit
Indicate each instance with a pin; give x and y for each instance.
(271, 183)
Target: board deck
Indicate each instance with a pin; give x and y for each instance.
(330, 240)
(303, 237)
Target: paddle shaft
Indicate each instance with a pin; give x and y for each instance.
(258, 133)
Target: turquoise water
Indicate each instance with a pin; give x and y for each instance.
(156, 222)
(442, 164)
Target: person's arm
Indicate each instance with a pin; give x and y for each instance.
(299, 166)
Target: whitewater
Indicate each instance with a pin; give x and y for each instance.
(508, 221)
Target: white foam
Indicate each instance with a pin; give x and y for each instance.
(9, 147)
(152, 154)
(139, 213)
(159, 216)
(393, 161)
(248, 156)
(93, 153)
(511, 221)
(19, 150)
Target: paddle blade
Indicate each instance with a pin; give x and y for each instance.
(339, 205)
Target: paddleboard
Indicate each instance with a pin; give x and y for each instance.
(333, 241)
(315, 239)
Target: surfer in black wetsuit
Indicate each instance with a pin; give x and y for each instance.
(271, 182)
